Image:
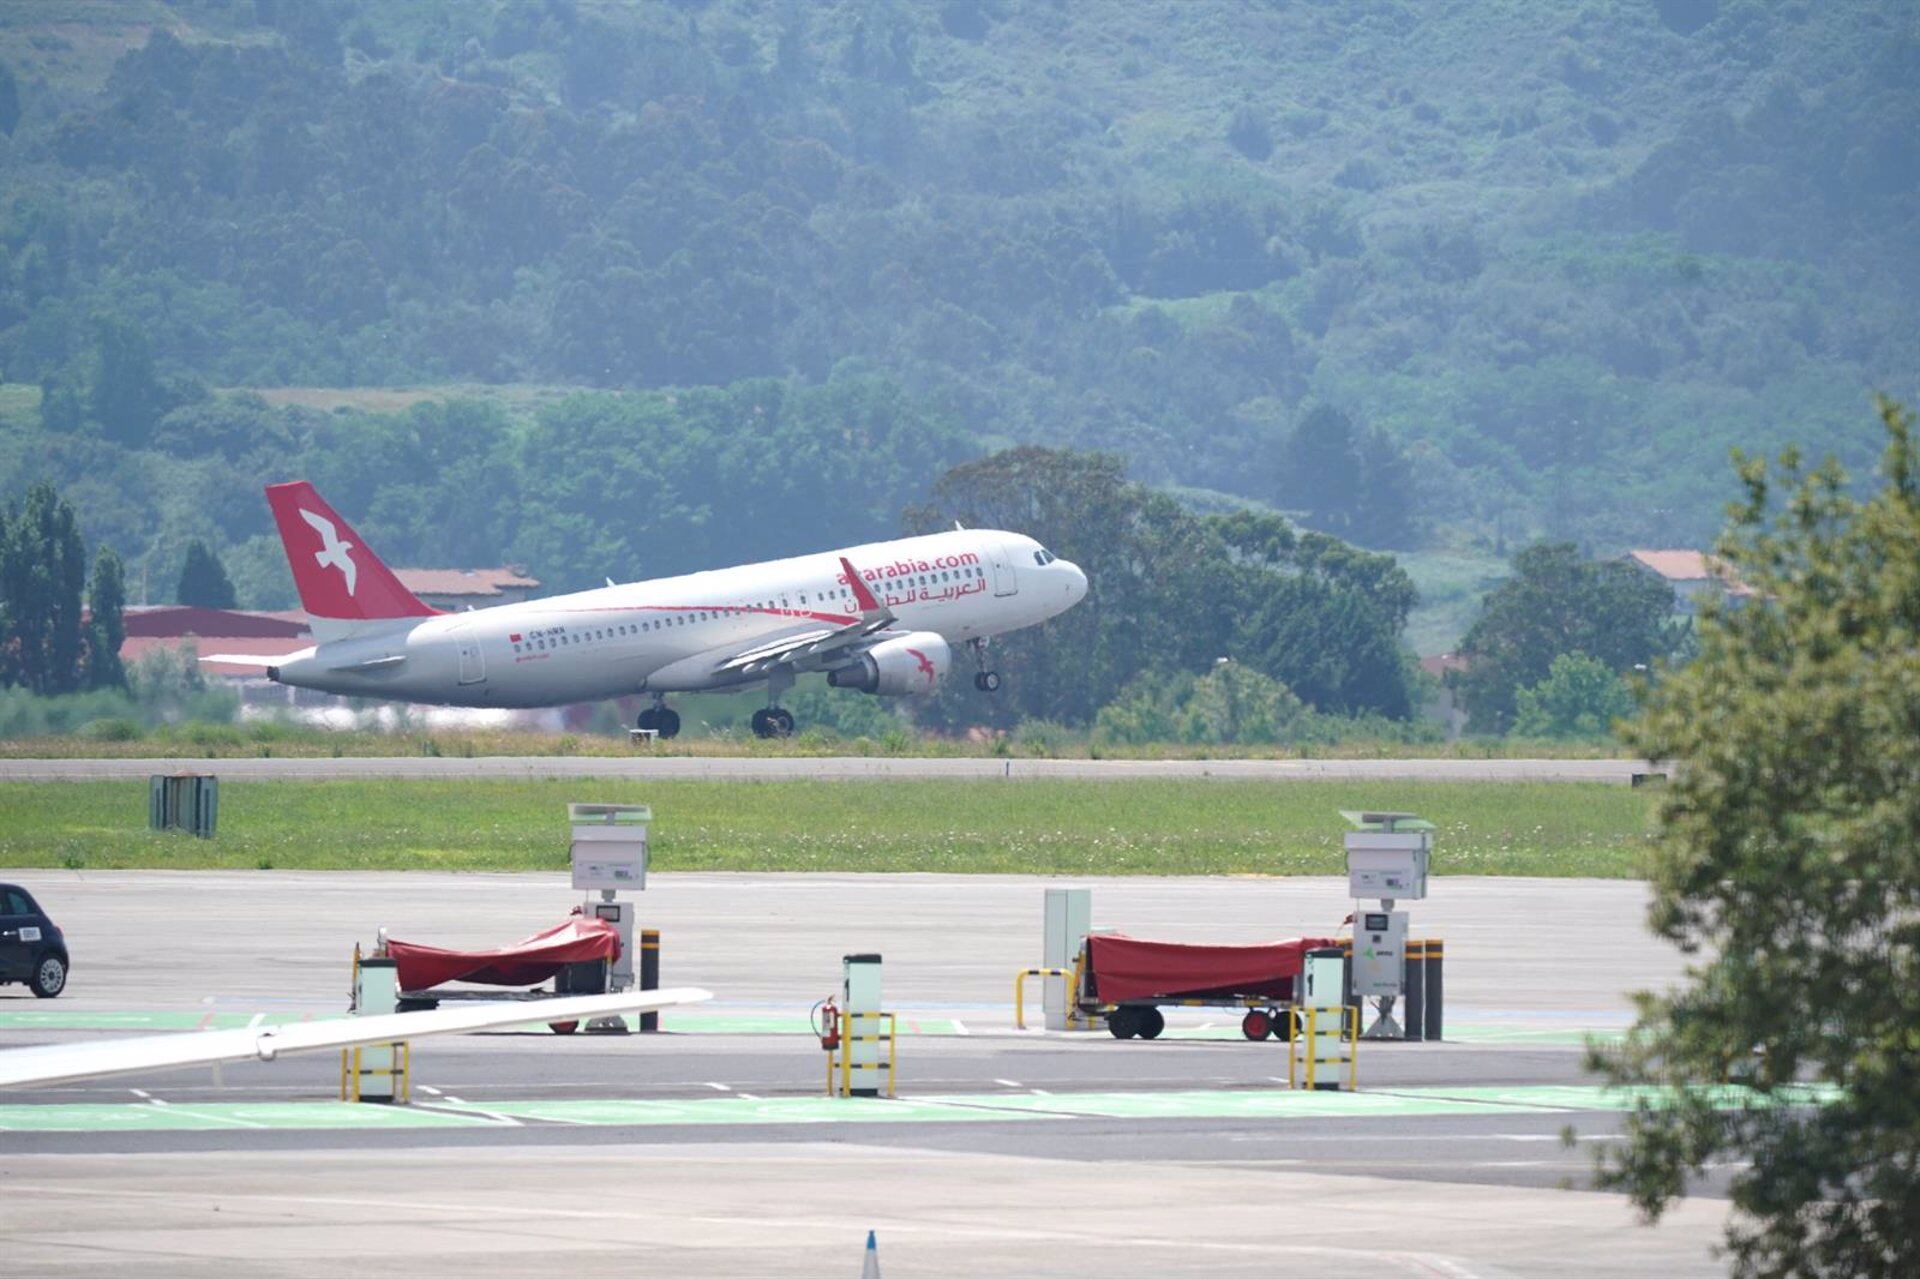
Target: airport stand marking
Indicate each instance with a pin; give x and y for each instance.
(1252, 1104)
(693, 1023)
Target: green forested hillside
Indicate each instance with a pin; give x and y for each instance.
(1536, 266)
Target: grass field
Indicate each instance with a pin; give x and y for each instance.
(273, 738)
(1071, 827)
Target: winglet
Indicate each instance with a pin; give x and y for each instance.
(861, 595)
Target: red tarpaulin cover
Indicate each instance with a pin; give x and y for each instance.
(1128, 968)
(527, 962)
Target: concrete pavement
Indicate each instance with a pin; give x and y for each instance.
(704, 1150)
(643, 767)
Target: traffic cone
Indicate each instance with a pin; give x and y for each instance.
(870, 1268)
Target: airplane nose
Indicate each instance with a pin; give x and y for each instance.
(1076, 580)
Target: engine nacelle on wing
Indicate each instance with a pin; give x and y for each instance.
(910, 663)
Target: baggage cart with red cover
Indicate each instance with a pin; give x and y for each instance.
(1134, 977)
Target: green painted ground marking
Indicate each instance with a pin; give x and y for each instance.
(230, 1117)
(1233, 1104)
(1252, 1104)
(702, 1023)
(741, 1110)
(101, 1117)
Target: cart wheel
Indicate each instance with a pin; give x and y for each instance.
(1256, 1025)
(563, 1027)
(1152, 1022)
(1283, 1024)
(1123, 1023)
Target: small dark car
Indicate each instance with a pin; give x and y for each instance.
(32, 948)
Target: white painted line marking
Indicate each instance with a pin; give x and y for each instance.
(461, 1108)
(1040, 1092)
(141, 1093)
(960, 1027)
(747, 1096)
(1008, 1083)
(718, 1087)
(430, 1090)
(256, 1020)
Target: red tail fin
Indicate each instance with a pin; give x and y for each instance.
(339, 576)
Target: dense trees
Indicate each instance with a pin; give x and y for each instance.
(1786, 871)
(1580, 697)
(1353, 483)
(46, 644)
(1559, 602)
(1175, 592)
(1635, 239)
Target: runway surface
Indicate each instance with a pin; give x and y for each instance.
(642, 767)
(708, 1148)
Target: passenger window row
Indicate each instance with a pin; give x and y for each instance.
(620, 630)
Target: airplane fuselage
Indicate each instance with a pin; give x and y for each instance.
(665, 635)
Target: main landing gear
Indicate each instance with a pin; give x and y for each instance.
(772, 721)
(657, 718)
(986, 681)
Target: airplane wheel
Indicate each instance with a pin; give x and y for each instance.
(648, 720)
(1123, 1022)
(668, 723)
(782, 722)
(1256, 1025)
(987, 681)
(1152, 1022)
(563, 1027)
(763, 723)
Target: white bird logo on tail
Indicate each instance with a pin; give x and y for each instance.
(333, 551)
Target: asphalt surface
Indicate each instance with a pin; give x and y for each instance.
(642, 767)
(707, 1149)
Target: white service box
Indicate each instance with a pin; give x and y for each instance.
(1379, 953)
(1069, 917)
(866, 1051)
(1326, 979)
(1388, 865)
(609, 845)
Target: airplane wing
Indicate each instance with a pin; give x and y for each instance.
(805, 650)
(242, 659)
(55, 1063)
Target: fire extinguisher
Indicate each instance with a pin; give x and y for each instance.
(828, 1024)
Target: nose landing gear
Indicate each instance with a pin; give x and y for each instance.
(657, 718)
(986, 681)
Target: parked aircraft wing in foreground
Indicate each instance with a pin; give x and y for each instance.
(56, 1063)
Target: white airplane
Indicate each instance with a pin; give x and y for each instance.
(884, 618)
(58, 1063)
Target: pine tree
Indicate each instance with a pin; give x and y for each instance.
(203, 579)
(43, 571)
(107, 629)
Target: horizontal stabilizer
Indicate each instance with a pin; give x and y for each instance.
(91, 1059)
(242, 659)
(386, 663)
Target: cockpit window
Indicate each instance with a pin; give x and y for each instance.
(1044, 557)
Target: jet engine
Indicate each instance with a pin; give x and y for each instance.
(910, 663)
